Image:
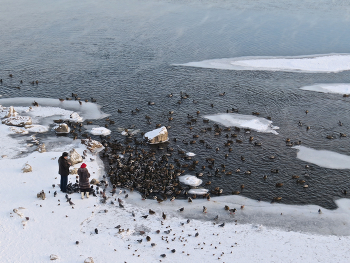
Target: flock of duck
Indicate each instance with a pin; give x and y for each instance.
(155, 171)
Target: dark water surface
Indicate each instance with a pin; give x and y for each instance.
(121, 53)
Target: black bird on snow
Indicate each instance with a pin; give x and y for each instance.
(96, 231)
(222, 225)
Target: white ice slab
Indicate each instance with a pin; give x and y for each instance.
(244, 121)
(323, 158)
(338, 88)
(190, 180)
(100, 131)
(200, 191)
(308, 64)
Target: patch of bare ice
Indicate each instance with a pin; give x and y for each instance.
(244, 121)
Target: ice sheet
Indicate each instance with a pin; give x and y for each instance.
(243, 121)
(338, 88)
(190, 180)
(87, 110)
(309, 64)
(323, 158)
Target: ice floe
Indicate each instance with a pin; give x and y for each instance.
(190, 180)
(323, 158)
(244, 121)
(100, 131)
(338, 88)
(199, 191)
(308, 64)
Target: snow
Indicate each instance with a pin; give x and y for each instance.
(338, 88)
(36, 128)
(260, 234)
(323, 158)
(243, 121)
(151, 134)
(190, 180)
(18, 130)
(307, 64)
(100, 131)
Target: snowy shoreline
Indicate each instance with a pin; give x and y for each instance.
(54, 229)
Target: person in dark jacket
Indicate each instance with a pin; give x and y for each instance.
(63, 170)
(84, 183)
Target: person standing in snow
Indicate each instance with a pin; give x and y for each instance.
(84, 183)
(63, 170)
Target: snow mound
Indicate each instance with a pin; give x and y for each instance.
(100, 131)
(338, 88)
(323, 158)
(307, 64)
(190, 180)
(244, 121)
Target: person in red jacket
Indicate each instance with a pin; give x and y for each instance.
(84, 183)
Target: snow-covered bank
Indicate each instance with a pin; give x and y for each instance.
(32, 229)
(243, 121)
(323, 158)
(53, 226)
(338, 88)
(306, 64)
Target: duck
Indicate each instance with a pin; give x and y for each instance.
(222, 94)
(151, 103)
(279, 184)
